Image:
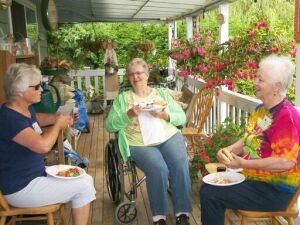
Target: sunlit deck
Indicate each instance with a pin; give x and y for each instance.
(92, 145)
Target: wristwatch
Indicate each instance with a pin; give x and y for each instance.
(49, 14)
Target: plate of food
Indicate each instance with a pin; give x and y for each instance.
(65, 171)
(155, 105)
(223, 178)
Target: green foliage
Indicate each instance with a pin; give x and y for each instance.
(224, 135)
(67, 41)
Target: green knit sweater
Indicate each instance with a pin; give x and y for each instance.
(118, 119)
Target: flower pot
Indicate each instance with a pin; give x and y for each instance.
(94, 107)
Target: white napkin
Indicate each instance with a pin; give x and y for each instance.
(151, 128)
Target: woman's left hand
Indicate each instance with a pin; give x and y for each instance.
(236, 162)
(163, 114)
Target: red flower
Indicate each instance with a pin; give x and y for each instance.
(202, 154)
(206, 159)
(209, 141)
(293, 52)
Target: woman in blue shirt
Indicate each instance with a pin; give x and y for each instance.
(23, 180)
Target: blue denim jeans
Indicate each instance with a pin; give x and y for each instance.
(163, 162)
(248, 195)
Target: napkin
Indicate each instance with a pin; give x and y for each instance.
(151, 128)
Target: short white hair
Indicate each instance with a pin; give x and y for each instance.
(18, 78)
(280, 69)
(137, 62)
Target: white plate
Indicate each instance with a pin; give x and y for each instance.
(236, 178)
(53, 170)
(234, 170)
(153, 108)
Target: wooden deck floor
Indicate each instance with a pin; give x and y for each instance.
(92, 145)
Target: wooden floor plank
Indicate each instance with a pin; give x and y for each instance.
(91, 145)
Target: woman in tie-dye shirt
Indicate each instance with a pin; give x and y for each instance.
(268, 153)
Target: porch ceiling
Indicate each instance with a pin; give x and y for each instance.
(80, 11)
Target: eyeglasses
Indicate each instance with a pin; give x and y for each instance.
(138, 73)
(36, 87)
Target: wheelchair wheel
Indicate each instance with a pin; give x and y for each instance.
(125, 213)
(111, 171)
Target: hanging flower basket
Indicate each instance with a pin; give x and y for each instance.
(146, 46)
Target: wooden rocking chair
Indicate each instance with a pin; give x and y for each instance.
(200, 107)
(36, 213)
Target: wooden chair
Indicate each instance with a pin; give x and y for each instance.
(200, 107)
(35, 214)
(290, 213)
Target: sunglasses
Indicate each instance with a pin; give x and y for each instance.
(36, 87)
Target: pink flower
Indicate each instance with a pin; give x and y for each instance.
(201, 68)
(184, 73)
(201, 51)
(187, 53)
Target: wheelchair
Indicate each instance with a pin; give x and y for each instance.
(122, 183)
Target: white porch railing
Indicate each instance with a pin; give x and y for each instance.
(83, 79)
(227, 104)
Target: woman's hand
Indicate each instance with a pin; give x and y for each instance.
(163, 114)
(236, 162)
(64, 121)
(134, 111)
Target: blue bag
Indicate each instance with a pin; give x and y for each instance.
(83, 119)
(74, 156)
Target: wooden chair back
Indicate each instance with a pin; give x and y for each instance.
(36, 213)
(200, 107)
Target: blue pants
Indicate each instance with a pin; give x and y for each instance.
(163, 162)
(248, 195)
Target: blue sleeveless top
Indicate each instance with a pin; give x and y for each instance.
(18, 164)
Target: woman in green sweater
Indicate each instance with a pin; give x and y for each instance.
(146, 120)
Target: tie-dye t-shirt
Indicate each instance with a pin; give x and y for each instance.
(279, 138)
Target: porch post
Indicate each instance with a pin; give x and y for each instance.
(189, 28)
(172, 35)
(223, 20)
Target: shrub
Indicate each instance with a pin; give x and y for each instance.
(223, 135)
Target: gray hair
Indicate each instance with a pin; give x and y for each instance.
(137, 61)
(18, 78)
(280, 69)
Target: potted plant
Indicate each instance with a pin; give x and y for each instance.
(94, 104)
(54, 66)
